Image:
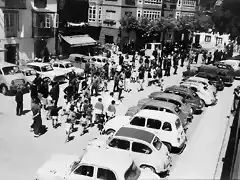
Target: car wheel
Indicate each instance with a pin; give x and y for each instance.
(148, 167)
(203, 104)
(110, 132)
(169, 146)
(4, 90)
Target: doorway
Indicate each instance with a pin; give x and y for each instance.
(12, 53)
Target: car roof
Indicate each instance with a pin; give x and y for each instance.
(135, 133)
(168, 96)
(107, 158)
(199, 79)
(169, 117)
(166, 105)
(6, 64)
(195, 84)
(62, 62)
(40, 64)
(26, 68)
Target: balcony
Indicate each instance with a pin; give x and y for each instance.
(15, 4)
(43, 32)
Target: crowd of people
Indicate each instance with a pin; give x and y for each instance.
(78, 107)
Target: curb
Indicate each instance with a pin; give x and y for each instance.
(219, 166)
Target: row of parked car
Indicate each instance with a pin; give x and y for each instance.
(139, 144)
(12, 75)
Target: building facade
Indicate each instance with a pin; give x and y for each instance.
(27, 29)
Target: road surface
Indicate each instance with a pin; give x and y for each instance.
(21, 154)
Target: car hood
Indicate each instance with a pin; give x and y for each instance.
(58, 167)
(147, 174)
(153, 94)
(14, 77)
(115, 124)
(132, 110)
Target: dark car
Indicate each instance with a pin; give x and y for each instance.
(160, 106)
(228, 68)
(189, 96)
(213, 79)
(210, 69)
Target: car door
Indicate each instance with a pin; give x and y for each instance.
(166, 133)
(119, 144)
(83, 172)
(142, 153)
(106, 174)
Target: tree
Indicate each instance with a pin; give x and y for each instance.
(227, 18)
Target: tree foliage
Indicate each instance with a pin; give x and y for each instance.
(227, 18)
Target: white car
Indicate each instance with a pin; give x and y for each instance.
(47, 72)
(156, 121)
(66, 67)
(205, 82)
(29, 74)
(234, 63)
(207, 97)
(144, 146)
(91, 165)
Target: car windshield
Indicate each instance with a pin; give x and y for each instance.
(157, 143)
(10, 70)
(30, 73)
(68, 65)
(47, 68)
(133, 172)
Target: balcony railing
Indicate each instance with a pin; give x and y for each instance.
(15, 4)
(43, 32)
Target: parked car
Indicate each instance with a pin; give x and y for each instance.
(144, 146)
(66, 67)
(93, 164)
(47, 72)
(166, 125)
(171, 98)
(189, 96)
(213, 78)
(29, 74)
(204, 82)
(227, 79)
(227, 66)
(10, 78)
(160, 106)
(207, 97)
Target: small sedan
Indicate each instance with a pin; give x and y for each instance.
(160, 106)
(66, 67)
(144, 146)
(230, 66)
(207, 97)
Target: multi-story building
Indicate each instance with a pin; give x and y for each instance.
(108, 13)
(27, 28)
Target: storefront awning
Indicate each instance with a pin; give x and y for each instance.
(79, 40)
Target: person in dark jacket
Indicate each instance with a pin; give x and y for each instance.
(116, 81)
(175, 64)
(69, 92)
(54, 115)
(71, 76)
(45, 92)
(19, 101)
(34, 91)
(54, 93)
(141, 76)
(169, 64)
(121, 59)
(37, 119)
(38, 81)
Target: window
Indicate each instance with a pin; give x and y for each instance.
(152, 14)
(110, 14)
(157, 143)
(218, 40)
(154, 124)
(155, 2)
(108, 39)
(130, 2)
(127, 13)
(207, 38)
(85, 170)
(151, 108)
(175, 102)
(43, 20)
(120, 144)
(168, 111)
(11, 24)
(36, 68)
(173, 6)
(47, 21)
(149, 46)
(100, 14)
(139, 14)
(10, 70)
(105, 174)
(167, 126)
(141, 148)
(189, 2)
(55, 65)
(92, 13)
(56, 21)
(61, 66)
(47, 68)
(138, 121)
(178, 123)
